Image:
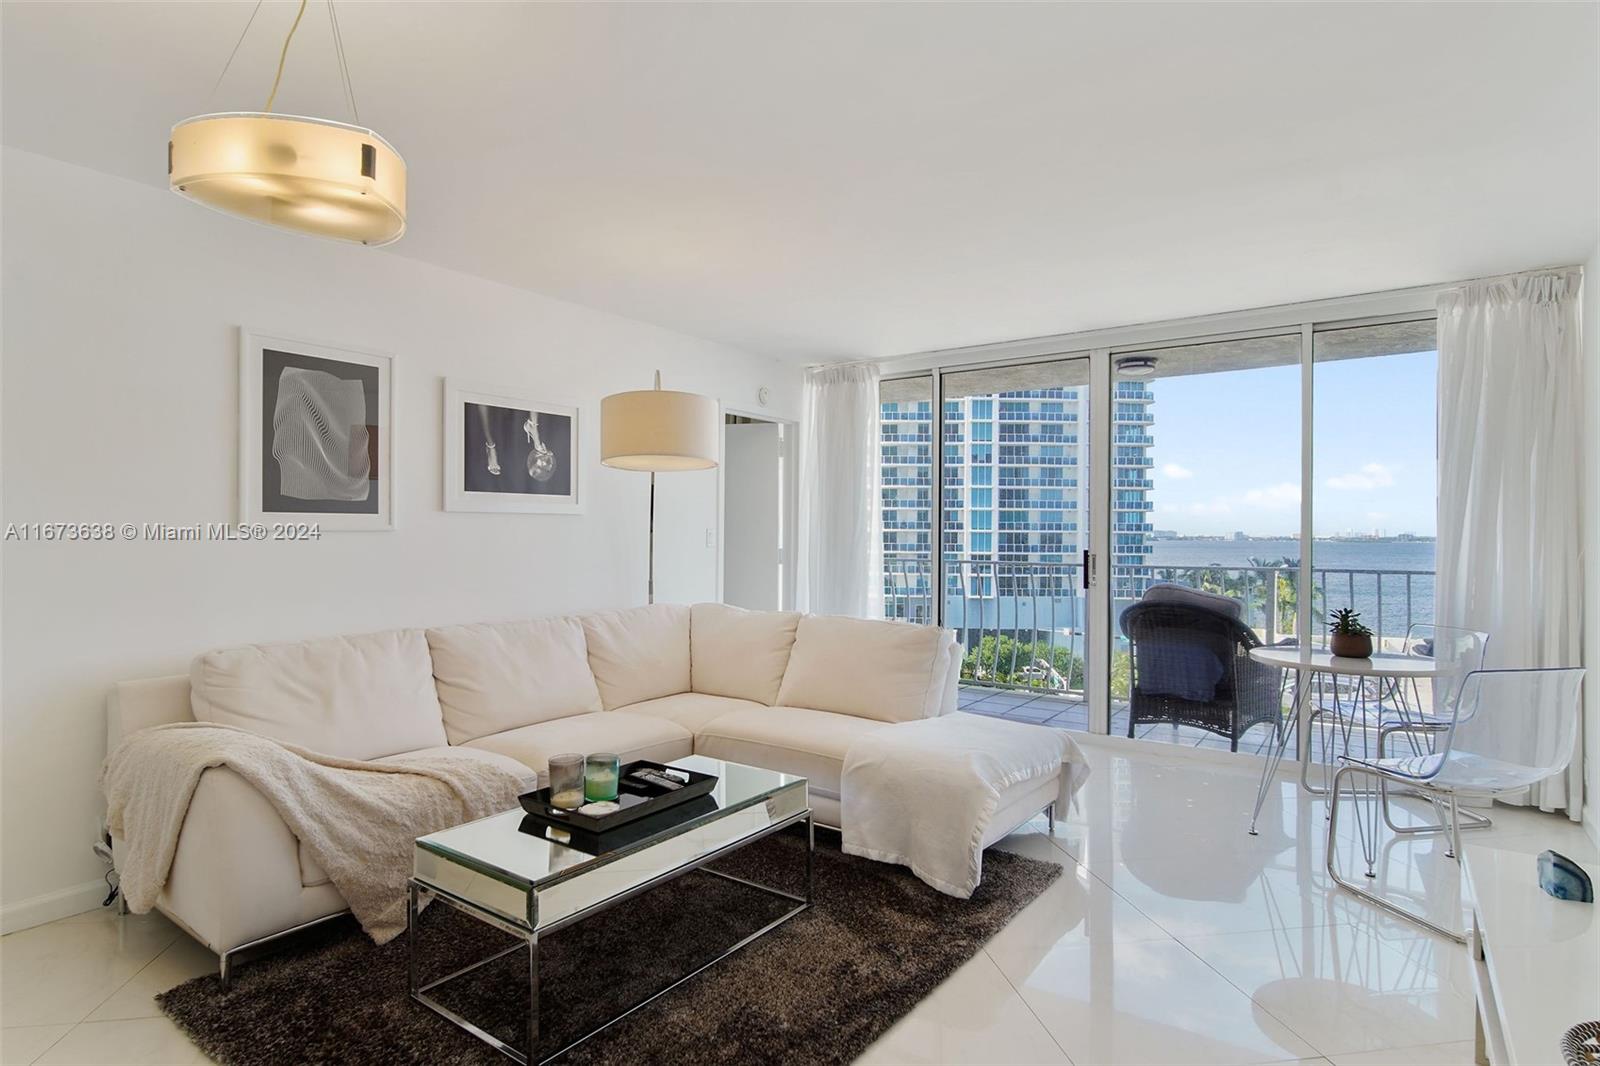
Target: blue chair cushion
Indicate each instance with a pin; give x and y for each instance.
(1185, 671)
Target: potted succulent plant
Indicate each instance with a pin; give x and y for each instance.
(1348, 636)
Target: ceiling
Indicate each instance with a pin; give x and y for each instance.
(821, 181)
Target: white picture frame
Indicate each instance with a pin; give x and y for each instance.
(536, 469)
(290, 466)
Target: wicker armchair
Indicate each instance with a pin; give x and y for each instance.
(1191, 665)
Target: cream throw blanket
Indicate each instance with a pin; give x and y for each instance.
(357, 819)
(922, 794)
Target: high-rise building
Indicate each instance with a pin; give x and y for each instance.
(1016, 500)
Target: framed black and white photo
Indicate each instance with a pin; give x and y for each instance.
(316, 434)
(504, 451)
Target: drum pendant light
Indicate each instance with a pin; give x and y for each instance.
(311, 175)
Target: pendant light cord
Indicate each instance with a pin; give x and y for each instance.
(242, 34)
(338, 51)
(283, 57)
(344, 62)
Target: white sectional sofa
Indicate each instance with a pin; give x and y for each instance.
(774, 689)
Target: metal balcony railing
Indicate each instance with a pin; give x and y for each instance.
(1023, 623)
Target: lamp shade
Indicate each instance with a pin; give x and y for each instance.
(653, 429)
(305, 174)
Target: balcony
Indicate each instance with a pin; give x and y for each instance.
(1037, 416)
(1023, 625)
(1017, 436)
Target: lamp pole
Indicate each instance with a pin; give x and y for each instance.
(653, 430)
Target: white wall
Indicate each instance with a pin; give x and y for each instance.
(1591, 546)
(120, 402)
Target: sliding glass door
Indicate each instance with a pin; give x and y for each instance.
(1001, 559)
(1214, 557)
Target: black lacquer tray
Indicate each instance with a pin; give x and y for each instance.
(638, 799)
(622, 836)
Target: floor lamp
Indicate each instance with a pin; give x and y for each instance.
(658, 431)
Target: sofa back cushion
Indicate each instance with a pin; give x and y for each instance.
(890, 671)
(501, 675)
(638, 653)
(360, 697)
(739, 653)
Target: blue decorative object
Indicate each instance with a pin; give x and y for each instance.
(1563, 878)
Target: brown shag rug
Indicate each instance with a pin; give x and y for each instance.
(818, 989)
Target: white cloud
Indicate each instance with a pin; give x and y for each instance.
(1214, 507)
(1370, 476)
(1285, 494)
(1176, 472)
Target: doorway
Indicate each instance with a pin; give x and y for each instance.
(757, 512)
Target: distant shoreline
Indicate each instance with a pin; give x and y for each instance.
(1217, 538)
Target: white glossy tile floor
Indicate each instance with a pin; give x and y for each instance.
(1171, 937)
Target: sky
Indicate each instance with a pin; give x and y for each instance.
(1227, 449)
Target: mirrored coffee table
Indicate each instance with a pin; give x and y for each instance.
(530, 885)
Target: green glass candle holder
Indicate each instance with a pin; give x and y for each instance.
(600, 775)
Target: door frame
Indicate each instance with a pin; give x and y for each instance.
(1097, 603)
(788, 495)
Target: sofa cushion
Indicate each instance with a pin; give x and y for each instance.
(692, 710)
(890, 671)
(359, 697)
(632, 736)
(739, 653)
(502, 675)
(638, 653)
(791, 740)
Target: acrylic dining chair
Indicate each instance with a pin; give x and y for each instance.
(1419, 711)
(1507, 730)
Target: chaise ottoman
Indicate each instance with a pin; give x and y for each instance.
(933, 793)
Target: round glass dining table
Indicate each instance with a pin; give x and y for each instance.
(1391, 681)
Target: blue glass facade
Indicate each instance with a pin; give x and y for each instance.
(1016, 477)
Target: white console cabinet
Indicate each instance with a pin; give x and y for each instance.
(1535, 960)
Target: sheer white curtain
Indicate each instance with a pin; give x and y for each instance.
(1510, 477)
(840, 568)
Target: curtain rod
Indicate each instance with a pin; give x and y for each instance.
(1213, 320)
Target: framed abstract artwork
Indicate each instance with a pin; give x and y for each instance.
(506, 451)
(316, 434)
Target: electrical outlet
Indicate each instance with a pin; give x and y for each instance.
(711, 538)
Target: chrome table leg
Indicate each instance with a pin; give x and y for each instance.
(1269, 772)
(533, 998)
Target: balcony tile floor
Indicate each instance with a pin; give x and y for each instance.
(1171, 937)
(1072, 712)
